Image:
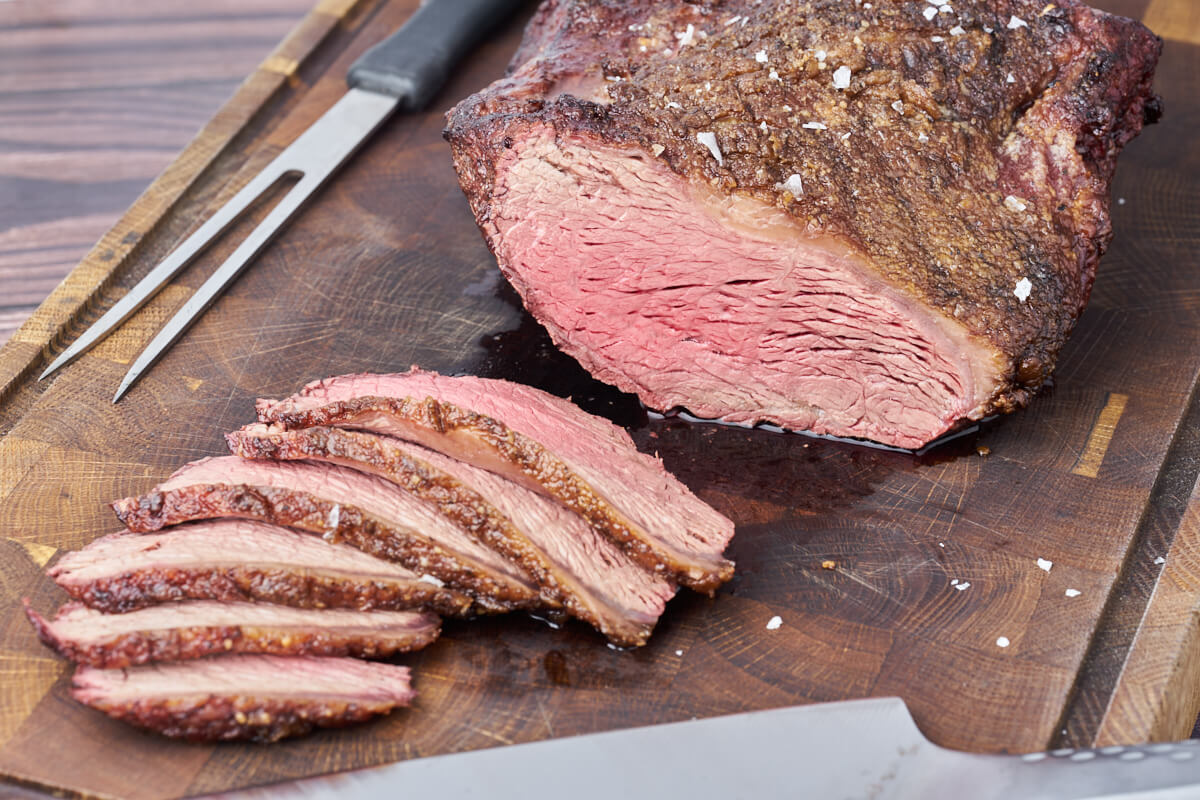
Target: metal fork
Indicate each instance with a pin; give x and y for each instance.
(402, 72)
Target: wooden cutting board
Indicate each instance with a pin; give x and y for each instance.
(893, 574)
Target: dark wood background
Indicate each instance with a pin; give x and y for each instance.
(96, 99)
(386, 269)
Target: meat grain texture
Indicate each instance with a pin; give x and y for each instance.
(260, 697)
(876, 220)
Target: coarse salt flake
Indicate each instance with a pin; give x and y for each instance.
(678, 652)
(709, 140)
(814, 126)
(774, 76)
(1010, 78)
(657, 149)
(841, 78)
(1120, 201)
(430, 579)
(1014, 203)
(846, 135)
(930, 12)
(1072, 593)
(945, 8)
(1022, 290)
(761, 56)
(820, 54)
(731, 21)
(673, 104)
(774, 622)
(957, 30)
(1160, 560)
(1015, 22)
(763, 126)
(1045, 564)
(953, 581)
(937, 38)
(898, 105)
(687, 36)
(921, 137)
(963, 585)
(1002, 641)
(793, 184)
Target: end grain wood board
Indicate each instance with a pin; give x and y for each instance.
(934, 558)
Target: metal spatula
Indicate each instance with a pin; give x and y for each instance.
(403, 72)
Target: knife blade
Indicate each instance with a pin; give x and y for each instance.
(403, 72)
(853, 749)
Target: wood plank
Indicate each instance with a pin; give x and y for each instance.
(1157, 697)
(1174, 20)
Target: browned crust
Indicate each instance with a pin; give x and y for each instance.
(181, 644)
(454, 499)
(544, 470)
(298, 588)
(155, 510)
(881, 189)
(217, 718)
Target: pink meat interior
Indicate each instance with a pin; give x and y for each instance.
(342, 487)
(287, 677)
(723, 305)
(219, 543)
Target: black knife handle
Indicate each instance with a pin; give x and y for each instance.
(414, 62)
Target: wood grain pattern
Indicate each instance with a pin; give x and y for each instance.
(95, 101)
(934, 557)
(1158, 694)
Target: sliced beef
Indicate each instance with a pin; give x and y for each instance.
(243, 560)
(865, 220)
(367, 512)
(543, 442)
(179, 631)
(592, 577)
(264, 698)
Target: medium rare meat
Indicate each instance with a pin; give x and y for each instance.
(264, 698)
(179, 631)
(590, 575)
(343, 505)
(867, 220)
(243, 560)
(541, 441)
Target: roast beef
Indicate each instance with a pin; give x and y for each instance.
(243, 560)
(592, 577)
(343, 505)
(179, 631)
(264, 698)
(871, 220)
(541, 441)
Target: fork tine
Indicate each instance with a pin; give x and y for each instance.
(170, 266)
(259, 238)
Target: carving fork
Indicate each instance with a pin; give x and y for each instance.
(402, 72)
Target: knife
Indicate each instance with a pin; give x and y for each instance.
(853, 749)
(403, 72)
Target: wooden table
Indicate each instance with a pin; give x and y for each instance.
(96, 99)
(1099, 475)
